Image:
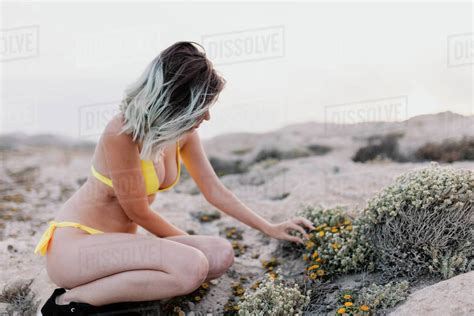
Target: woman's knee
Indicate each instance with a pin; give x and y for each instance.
(223, 256)
(58, 275)
(195, 271)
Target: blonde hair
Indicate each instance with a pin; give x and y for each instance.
(175, 90)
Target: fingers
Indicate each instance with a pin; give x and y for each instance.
(298, 228)
(304, 221)
(294, 239)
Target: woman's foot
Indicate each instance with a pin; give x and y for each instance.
(53, 307)
(56, 305)
(60, 300)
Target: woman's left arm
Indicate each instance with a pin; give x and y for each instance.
(200, 169)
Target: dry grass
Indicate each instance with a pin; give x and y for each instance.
(447, 151)
(20, 298)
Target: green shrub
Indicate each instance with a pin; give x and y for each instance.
(373, 299)
(242, 151)
(224, 167)
(423, 223)
(317, 149)
(447, 151)
(420, 226)
(383, 296)
(274, 296)
(380, 147)
(336, 246)
(278, 154)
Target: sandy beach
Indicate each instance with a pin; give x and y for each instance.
(36, 179)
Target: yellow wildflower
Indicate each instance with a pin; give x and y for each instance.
(335, 246)
(347, 222)
(347, 297)
(321, 234)
(341, 310)
(313, 276)
(321, 226)
(334, 230)
(305, 257)
(348, 304)
(205, 285)
(315, 254)
(349, 228)
(315, 266)
(318, 260)
(197, 298)
(364, 308)
(309, 244)
(179, 311)
(320, 272)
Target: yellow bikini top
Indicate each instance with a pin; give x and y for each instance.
(149, 174)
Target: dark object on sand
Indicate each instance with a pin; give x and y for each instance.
(447, 151)
(380, 147)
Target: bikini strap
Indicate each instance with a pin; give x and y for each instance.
(100, 177)
(42, 246)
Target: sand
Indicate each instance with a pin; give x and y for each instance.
(36, 179)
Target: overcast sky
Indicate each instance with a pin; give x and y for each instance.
(65, 66)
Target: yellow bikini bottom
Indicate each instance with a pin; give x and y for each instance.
(43, 244)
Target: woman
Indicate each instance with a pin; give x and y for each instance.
(96, 252)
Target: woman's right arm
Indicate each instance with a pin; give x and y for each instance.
(124, 165)
(158, 225)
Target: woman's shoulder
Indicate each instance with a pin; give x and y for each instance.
(186, 138)
(115, 124)
(112, 133)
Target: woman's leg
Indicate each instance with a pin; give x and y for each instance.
(115, 267)
(218, 251)
(130, 286)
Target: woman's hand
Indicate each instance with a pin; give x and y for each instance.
(282, 230)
